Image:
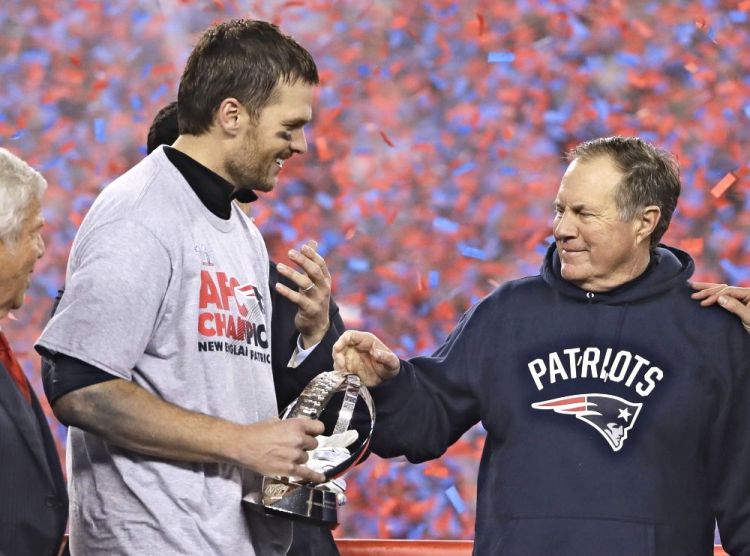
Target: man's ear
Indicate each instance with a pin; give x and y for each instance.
(229, 115)
(646, 222)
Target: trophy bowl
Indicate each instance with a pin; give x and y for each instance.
(318, 504)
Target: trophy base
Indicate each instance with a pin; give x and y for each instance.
(300, 502)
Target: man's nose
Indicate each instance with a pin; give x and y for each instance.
(564, 226)
(299, 141)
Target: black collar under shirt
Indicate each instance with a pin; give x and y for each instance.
(215, 192)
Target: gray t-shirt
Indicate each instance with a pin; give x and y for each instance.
(161, 292)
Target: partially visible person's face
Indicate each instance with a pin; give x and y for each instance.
(17, 260)
(279, 133)
(598, 251)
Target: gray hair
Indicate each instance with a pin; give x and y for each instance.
(20, 184)
(651, 176)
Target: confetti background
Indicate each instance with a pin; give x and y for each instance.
(436, 151)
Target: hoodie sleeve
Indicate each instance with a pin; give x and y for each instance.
(730, 464)
(432, 401)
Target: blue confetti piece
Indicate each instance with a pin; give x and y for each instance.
(41, 57)
(65, 182)
(555, 117)
(455, 499)
(464, 168)
(500, 57)
(282, 211)
(580, 31)
(330, 239)
(49, 164)
(735, 274)
(363, 70)
(628, 59)
(358, 265)
(139, 16)
(407, 342)
(439, 83)
(472, 252)
(461, 86)
(433, 279)
(445, 225)
(146, 70)
(324, 199)
(288, 233)
(100, 130)
(430, 33)
(736, 16)
(684, 33)
(747, 110)
(395, 38)
(135, 102)
(159, 92)
(602, 108)
(18, 135)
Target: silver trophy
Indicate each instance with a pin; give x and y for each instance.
(318, 504)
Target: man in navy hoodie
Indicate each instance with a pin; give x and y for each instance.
(616, 408)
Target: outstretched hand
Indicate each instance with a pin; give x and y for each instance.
(733, 299)
(363, 354)
(313, 295)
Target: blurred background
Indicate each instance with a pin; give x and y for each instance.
(435, 154)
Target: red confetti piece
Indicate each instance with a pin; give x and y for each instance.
(725, 183)
(324, 152)
(386, 139)
(480, 20)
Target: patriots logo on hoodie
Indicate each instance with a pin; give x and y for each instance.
(612, 417)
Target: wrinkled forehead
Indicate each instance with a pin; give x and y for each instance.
(592, 180)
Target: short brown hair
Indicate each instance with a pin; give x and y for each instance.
(651, 176)
(241, 58)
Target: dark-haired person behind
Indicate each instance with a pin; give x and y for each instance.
(167, 298)
(33, 499)
(616, 408)
(165, 128)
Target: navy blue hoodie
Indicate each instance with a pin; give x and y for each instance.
(618, 423)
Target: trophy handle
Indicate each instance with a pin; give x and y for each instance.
(316, 396)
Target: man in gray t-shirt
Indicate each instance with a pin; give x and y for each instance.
(167, 292)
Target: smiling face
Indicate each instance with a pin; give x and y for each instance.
(598, 250)
(278, 133)
(17, 260)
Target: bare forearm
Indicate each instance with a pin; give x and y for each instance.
(126, 415)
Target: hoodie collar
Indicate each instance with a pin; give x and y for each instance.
(669, 267)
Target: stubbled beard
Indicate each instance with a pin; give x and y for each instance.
(247, 175)
(246, 168)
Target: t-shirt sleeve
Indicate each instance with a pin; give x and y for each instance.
(116, 283)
